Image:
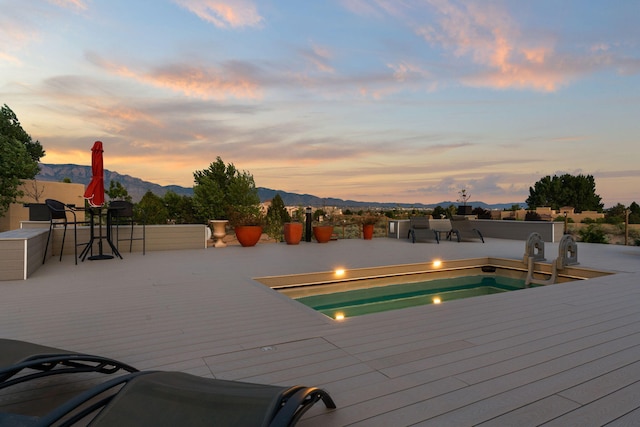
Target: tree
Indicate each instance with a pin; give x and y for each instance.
(10, 126)
(634, 217)
(220, 188)
(179, 208)
(615, 214)
(439, 212)
(34, 190)
(277, 215)
(566, 190)
(19, 157)
(152, 209)
(117, 191)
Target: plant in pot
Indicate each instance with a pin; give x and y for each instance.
(247, 222)
(293, 228)
(322, 231)
(463, 198)
(279, 223)
(368, 223)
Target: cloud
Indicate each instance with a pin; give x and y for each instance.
(16, 32)
(235, 79)
(405, 71)
(491, 38)
(319, 57)
(376, 8)
(224, 13)
(70, 4)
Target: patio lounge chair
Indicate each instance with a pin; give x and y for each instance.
(419, 228)
(464, 230)
(22, 361)
(156, 398)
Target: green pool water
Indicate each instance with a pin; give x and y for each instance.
(393, 297)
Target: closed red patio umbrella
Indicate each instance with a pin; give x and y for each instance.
(95, 190)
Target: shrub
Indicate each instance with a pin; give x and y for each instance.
(594, 233)
(532, 216)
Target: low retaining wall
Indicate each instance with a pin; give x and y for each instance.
(519, 230)
(158, 237)
(512, 230)
(21, 252)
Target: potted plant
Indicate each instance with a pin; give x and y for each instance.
(293, 228)
(464, 197)
(292, 232)
(368, 223)
(323, 231)
(247, 222)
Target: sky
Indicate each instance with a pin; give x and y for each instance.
(371, 100)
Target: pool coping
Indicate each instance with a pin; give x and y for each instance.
(418, 271)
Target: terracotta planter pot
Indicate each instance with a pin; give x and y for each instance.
(292, 232)
(248, 235)
(323, 233)
(367, 231)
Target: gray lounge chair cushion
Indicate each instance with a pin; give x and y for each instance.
(179, 399)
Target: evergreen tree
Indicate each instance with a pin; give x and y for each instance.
(220, 188)
(19, 156)
(152, 209)
(277, 215)
(566, 190)
(117, 191)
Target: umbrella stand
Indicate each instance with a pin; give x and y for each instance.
(95, 195)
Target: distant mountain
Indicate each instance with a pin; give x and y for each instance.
(137, 188)
(82, 175)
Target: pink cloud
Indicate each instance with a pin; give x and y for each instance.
(230, 80)
(490, 37)
(224, 13)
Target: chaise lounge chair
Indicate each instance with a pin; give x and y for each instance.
(464, 230)
(419, 228)
(156, 398)
(21, 357)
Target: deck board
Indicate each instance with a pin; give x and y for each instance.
(563, 354)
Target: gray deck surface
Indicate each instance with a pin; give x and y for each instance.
(561, 355)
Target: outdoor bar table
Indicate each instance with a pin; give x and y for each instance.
(99, 212)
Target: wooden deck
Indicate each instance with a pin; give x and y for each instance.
(561, 355)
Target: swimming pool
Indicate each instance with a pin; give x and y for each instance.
(343, 293)
(393, 297)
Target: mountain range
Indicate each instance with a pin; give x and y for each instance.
(137, 188)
